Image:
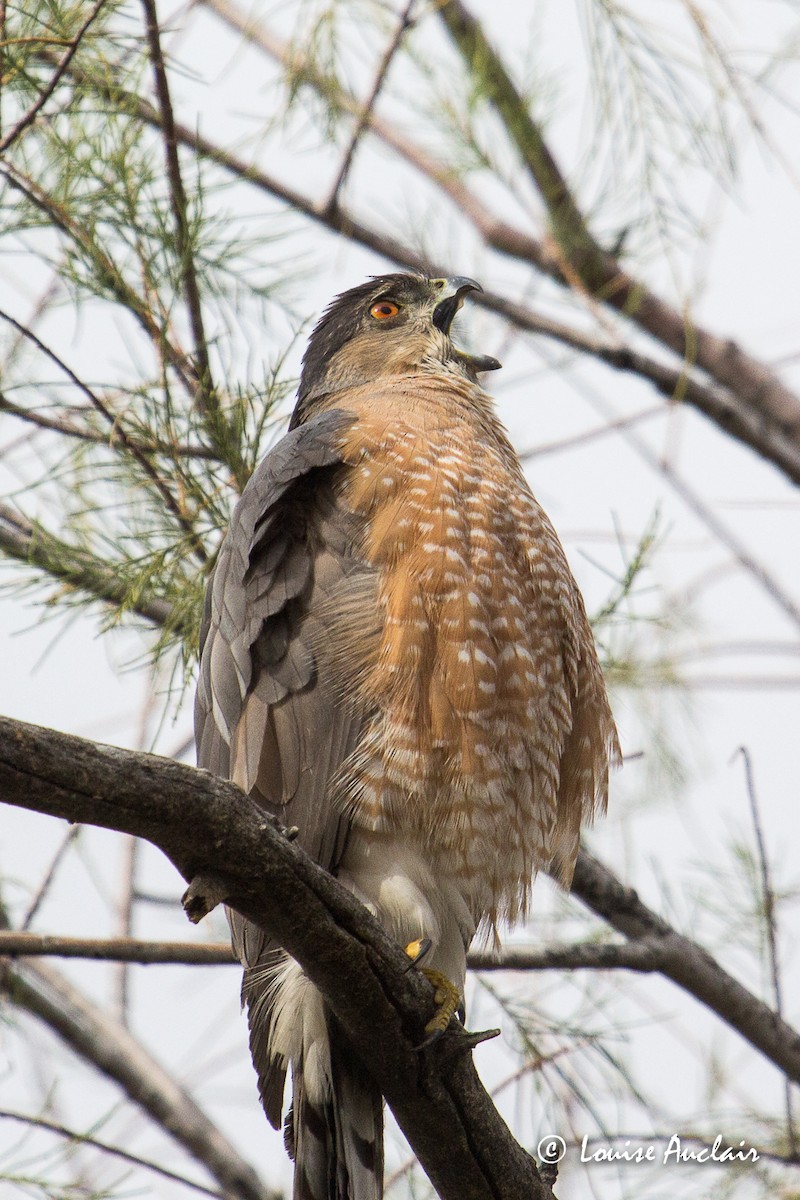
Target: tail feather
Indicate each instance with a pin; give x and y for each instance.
(334, 1127)
(258, 993)
(337, 1138)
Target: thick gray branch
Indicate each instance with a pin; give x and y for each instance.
(224, 845)
(211, 831)
(150, 796)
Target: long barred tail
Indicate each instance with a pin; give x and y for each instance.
(334, 1128)
(336, 1140)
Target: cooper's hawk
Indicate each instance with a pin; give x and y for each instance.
(396, 660)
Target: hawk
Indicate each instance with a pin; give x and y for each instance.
(396, 660)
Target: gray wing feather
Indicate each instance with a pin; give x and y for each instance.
(270, 710)
(239, 598)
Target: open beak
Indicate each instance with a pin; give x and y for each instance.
(451, 298)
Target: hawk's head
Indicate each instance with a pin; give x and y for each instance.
(391, 325)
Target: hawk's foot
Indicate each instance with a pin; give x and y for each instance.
(447, 998)
(446, 995)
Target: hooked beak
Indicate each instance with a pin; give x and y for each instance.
(452, 296)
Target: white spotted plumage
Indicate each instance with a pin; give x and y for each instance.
(397, 660)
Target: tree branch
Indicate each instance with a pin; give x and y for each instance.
(206, 395)
(219, 839)
(109, 278)
(118, 432)
(770, 920)
(227, 848)
(760, 389)
(738, 407)
(61, 67)
(102, 1041)
(778, 443)
(365, 115)
(687, 964)
(44, 887)
(84, 1139)
(638, 955)
(63, 425)
(630, 956)
(78, 568)
(737, 413)
(120, 949)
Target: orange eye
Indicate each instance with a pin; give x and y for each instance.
(383, 310)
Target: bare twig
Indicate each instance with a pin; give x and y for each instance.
(68, 429)
(45, 301)
(629, 956)
(157, 900)
(365, 115)
(770, 926)
(696, 504)
(46, 883)
(125, 920)
(652, 675)
(725, 535)
(85, 1139)
(748, 646)
(207, 399)
(30, 116)
(121, 949)
(496, 233)
(109, 277)
(590, 435)
(3, 16)
(127, 892)
(767, 892)
(637, 955)
(118, 432)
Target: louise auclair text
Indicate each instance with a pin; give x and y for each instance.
(675, 1151)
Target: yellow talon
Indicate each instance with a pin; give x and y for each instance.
(446, 995)
(447, 998)
(417, 949)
